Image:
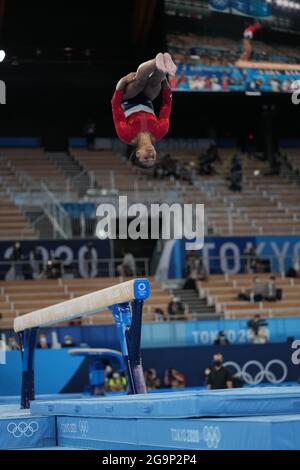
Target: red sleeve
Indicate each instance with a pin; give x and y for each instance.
(119, 116)
(166, 105)
(256, 27)
(164, 114)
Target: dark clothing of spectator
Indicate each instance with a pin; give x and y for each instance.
(236, 174)
(90, 131)
(175, 310)
(219, 378)
(221, 340)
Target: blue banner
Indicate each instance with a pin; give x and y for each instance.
(204, 333)
(214, 78)
(66, 251)
(177, 333)
(254, 8)
(220, 5)
(225, 254)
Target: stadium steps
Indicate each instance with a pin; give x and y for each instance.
(41, 223)
(196, 307)
(72, 170)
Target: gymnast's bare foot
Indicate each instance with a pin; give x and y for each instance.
(169, 64)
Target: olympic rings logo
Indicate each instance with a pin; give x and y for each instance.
(23, 429)
(263, 371)
(212, 436)
(83, 427)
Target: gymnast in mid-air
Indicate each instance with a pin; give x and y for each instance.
(248, 36)
(133, 113)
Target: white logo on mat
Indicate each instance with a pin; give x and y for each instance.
(263, 371)
(83, 427)
(212, 436)
(23, 429)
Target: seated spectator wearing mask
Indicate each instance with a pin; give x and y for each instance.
(219, 377)
(221, 339)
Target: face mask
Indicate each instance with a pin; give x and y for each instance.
(218, 363)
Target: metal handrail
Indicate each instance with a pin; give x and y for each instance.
(57, 215)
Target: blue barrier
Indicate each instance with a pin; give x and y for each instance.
(58, 372)
(190, 333)
(19, 142)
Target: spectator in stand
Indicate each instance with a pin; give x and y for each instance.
(183, 83)
(159, 314)
(16, 271)
(151, 379)
(53, 268)
(174, 379)
(36, 262)
(196, 83)
(89, 259)
(221, 340)
(176, 309)
(12, 344)
(206, 162)
(294, 271)
(236, 174)
(251, 258)
(258, 333)
(115, 382)
(42, 342)
(194, 270)
(219, 377)
(271, 293)
(90, 132)
(128, 266)
(68, 342)
(256, 293)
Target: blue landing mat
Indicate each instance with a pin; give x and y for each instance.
(261, 433)
(20, 430)
(15, 399)
(235, 402)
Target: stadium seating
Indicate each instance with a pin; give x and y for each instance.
(13, 223)
(19, 297)
(222, 291)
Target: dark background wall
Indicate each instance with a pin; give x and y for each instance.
(51, 92)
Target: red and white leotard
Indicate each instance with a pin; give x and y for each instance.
(141, 121)
(251, 30)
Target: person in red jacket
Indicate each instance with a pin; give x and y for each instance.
(247, 38)
(133, 113)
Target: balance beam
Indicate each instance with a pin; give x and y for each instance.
(125, 300)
